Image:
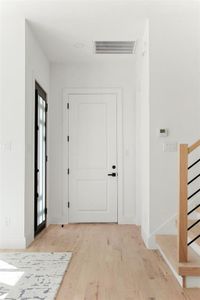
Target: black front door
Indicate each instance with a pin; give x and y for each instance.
(40, 158)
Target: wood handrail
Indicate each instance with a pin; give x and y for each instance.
(194, 146)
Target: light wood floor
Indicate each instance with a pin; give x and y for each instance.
(110, 262)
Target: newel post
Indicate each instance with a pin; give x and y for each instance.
(183, 204)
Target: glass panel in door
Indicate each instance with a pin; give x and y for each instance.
(40, 163)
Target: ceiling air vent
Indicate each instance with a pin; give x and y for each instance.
(114, 47)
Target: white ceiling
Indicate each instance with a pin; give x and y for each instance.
(66, 30)
(60, 26)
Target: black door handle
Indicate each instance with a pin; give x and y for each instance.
(112, 174)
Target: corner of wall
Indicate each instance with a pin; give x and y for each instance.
(168, 227)
(29, 239)
(36, 69)
(145, 238)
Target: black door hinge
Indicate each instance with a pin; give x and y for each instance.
(46, 108)
(67, 105)
(68, 204)
(68, 138)
(45, 211)
(68, 171)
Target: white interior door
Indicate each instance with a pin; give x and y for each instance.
(92, 158)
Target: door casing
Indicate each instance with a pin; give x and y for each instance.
(80, 91)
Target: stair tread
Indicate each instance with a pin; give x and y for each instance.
(168, 246)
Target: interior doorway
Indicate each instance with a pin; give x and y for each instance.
(40, 205)
(93, 155)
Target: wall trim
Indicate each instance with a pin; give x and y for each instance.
(118, 92)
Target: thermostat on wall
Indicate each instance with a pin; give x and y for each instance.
(162, 132)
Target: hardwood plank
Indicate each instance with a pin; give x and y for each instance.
(110, 262)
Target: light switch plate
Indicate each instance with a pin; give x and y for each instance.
(170, 147)
(5, 147)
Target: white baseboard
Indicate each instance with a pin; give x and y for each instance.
(29, 238)
(15, 242)
(63, 220)
(145, 238)
(57, 220)
(177, 276)
(12, 242)
(149, 241)
(190, 281)
(126, 220)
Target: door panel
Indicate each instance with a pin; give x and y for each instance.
(92, 136)
(88, 190)
(92, 153)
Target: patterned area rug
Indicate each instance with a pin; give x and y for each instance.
(27, 276)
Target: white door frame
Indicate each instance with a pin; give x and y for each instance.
(79, 91)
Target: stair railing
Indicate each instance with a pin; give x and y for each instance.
(183, 201)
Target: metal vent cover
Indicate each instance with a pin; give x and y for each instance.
(114, 47)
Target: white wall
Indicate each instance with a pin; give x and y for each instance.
(143, 132)
(37, 68)
(174, 104)
(106, 75)
(22, 61)
(12, 127)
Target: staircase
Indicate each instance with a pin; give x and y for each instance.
(182, 251)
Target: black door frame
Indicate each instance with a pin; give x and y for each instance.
(39, 92)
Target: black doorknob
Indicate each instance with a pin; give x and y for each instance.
(112, 174)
